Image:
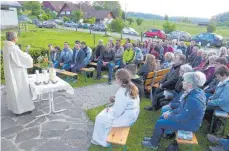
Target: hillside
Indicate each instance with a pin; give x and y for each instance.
(171, 18)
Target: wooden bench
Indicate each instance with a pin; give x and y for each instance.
(190, 142)
(85, 71)
(118, 136)
(69, 75)
(219, 114)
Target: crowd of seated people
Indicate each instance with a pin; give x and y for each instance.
(193, 88)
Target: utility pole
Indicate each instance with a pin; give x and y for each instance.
(125, 12)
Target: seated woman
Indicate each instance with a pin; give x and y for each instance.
(219, 100)
(123, 113)
(203, 61)
(107, 59)
(148, 66)
(169, 58)
(138, 57)
(198, 59)
(210, 69)
(145, 49)
(171, 94)
(188, 116)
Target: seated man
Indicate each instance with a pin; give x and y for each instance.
(128, 54)
(119, 50)
(66, 57)
(106, 59)
(55, 56)
(169, 82)
(77, 57)
(98, 51)
(87, 55)
(219, 100)
(188, 116)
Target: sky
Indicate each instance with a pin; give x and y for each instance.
(187, 8)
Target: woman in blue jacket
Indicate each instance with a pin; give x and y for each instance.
(188, 116)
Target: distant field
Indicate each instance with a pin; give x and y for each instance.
(193, 29)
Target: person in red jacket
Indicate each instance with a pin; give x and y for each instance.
(168, 48)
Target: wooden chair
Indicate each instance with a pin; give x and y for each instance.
(219, 114)
(192, 142)
(148, 81)
(94, 64)
(118, 136)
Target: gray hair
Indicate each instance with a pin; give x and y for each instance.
(186, 68)
(197, 78)
(11, 36)
(178, 51)
(212, 59)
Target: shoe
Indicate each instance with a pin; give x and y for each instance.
(212, 138)
(109, 82)
(146, 138)
(169, 136)
(25, 113)
(148, 145)
(216, 148)
(94, 142)
(149, 108)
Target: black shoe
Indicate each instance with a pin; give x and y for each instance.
(148, 145)
(146, 138)
(149, 108)
(25, 113)
(169, 136)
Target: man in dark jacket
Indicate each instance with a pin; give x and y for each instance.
(98, 51)
(168, 82)
(106, 59)
(182, 47)
(189, 49)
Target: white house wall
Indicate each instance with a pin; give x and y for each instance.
(9, 18)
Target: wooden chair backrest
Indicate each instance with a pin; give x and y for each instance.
(162, 72)
(118, 135)
(149, 78)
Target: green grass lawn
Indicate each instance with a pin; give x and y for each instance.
(193, 29)
(144, 127)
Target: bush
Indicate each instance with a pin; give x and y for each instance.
(117, 25)
(169, 27)
(211, 28)
(139, 21)
(2, 69)
(90, 20)
(66, 18)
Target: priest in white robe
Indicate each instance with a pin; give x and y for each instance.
(16, 62)
(123, 113)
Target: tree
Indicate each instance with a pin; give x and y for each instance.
(50, 14)
(166, 17)
(114, 6)
(77, 15)
(139, 21)
(130, 20)
(117, 25)
(169, 27)
(66, 18)
(90, 20)
(34, 6)
(211, 28)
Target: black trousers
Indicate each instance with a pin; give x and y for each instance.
(158, 94)
(209, 112)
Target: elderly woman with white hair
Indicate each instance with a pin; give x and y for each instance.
(16, 62)
(188, 116)
(175, 94)
(210, 69)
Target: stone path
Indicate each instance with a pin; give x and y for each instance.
(70, 130)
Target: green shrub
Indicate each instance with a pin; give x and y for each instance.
(169, 27)
(2, 69)
(66, 18)
(211, 28)
(117, 25)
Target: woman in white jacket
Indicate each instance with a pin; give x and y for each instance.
(123, 113)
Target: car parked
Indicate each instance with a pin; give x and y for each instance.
(129, 31)
(179, 35)
(24, 18)
(155, 33)
(49, 24)
(208, 39)
(39, 24)
(59, 21)
(80, 25)
(98, 27)
(70, 24)
(35, 21)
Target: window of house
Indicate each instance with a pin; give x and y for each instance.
(68, 12)
(63, 12)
